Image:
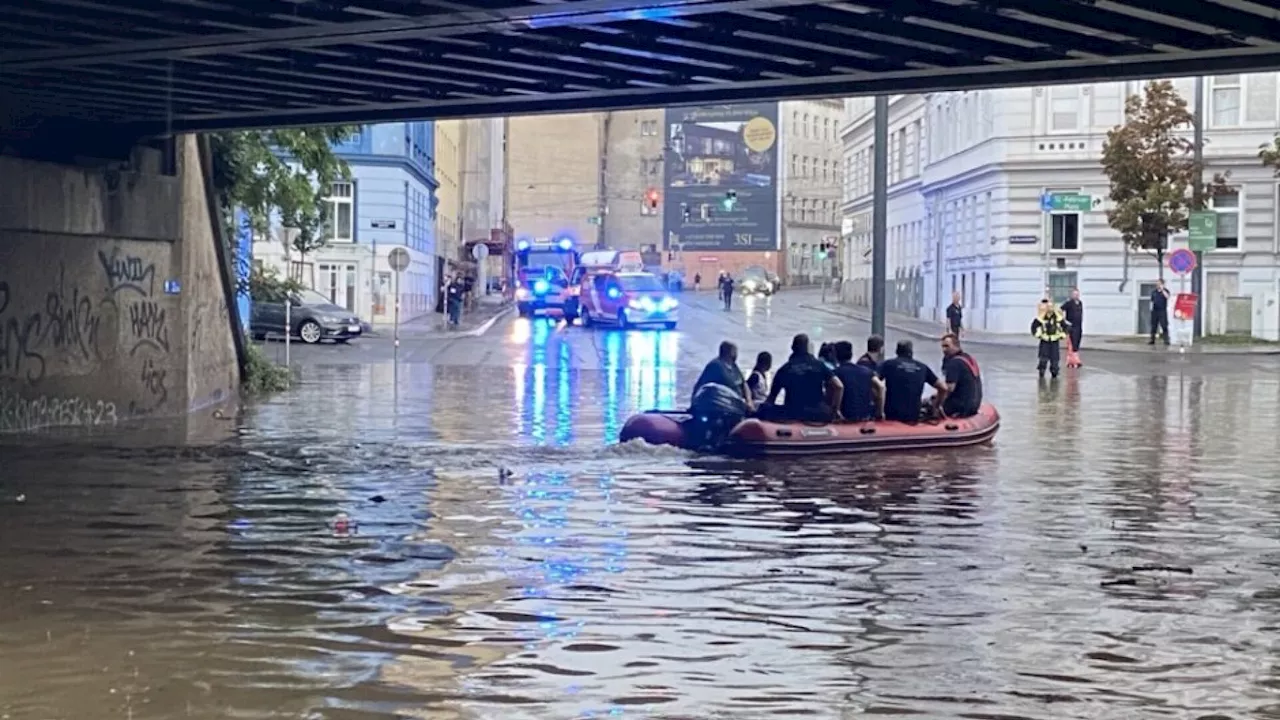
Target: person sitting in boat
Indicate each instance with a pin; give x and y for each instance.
(874, 354)
(758, 380)
(904, 382)
(811, 390)
(724, 371)
(827, 354)
(963, 379)
(863, 391)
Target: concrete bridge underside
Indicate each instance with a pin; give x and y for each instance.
(115, 295)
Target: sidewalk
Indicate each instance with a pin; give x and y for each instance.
(1123, 344)
(475, 322)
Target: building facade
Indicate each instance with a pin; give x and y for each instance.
(448, 144)
(484, 196)
(811, 181)
(555, 176)
(968, 172)
(389, 203)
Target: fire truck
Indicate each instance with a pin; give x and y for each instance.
(543, 267)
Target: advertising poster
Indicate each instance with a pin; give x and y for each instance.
(721, 178)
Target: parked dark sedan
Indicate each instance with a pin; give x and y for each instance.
(312, 318)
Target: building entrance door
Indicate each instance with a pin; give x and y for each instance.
(1144, 307)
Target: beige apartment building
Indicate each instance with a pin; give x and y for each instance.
(595, 176)
(448, 157)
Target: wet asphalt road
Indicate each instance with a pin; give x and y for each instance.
(1113, 555)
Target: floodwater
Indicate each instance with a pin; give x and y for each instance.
(1114, 555)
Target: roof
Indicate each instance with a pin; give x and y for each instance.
(185, 65)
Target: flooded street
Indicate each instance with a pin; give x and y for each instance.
(1113, 555)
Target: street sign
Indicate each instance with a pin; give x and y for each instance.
(1202, 231)
(593, 220)
(1182, 261)
(398, 259)
(172, 287)
(1066, 202)
(480, 251)
(383, 224)
(1184, 306)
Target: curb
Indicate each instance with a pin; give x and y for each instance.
(919, 334)
(409, 332)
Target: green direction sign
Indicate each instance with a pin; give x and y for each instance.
(1202, 231)
(593, 220)
(1066, 202)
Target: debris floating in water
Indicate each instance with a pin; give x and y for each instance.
(344, 526)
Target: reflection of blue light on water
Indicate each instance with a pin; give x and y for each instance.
(538, 426)
(651, 373)
(612, 377)
(564, 397)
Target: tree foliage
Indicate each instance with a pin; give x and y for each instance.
(1150, 161)
(266, 284)
(1270, 155)
(286, 173)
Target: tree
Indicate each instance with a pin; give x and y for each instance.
(1151, 165)
(286, 173)
(1270, 155)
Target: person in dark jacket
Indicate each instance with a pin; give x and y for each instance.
(1073, 311)
(874, 354)
(1050, 328)
(955, 315)
(724, 371)
(1160, 313)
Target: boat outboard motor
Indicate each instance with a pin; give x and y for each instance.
(717, 409)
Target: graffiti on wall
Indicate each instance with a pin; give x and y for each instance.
(25, 414)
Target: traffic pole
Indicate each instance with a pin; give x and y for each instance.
(1197, 203)
(879, 213)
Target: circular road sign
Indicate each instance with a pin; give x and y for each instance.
(399, 259)
(1182, 261)
(480, 251)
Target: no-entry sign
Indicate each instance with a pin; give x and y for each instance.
(1182, 261)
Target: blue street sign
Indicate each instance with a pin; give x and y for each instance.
(172, 287)
(1182, 261)
(1046, 202)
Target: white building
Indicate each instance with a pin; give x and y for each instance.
(809, 203)
(967, 171)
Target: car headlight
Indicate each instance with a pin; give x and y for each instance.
(522, 293)
(750, 284)
(668, 303)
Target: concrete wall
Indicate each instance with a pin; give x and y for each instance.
(111, 303)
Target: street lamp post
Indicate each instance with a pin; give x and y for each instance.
(879, 211)
(1197, 204)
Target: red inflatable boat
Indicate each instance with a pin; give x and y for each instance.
(756, 438)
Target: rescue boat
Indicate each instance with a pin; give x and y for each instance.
(758, 438)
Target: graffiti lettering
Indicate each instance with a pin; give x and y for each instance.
(19, 337)
(153, 378)
(19, 414)
(126, 272)
(150, 327)
(70, 321)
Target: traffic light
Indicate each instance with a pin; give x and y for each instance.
(684, 211)
(822, 251)
(651, 198)
(730, 199)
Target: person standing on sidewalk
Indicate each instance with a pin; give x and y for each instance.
(1073, 311)
(697, 282)
(1160, 313)
(455, 293)
(955, 315)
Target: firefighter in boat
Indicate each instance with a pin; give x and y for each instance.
(1049, 327)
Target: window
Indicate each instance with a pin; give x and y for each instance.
(1260, 104)
(900, 157)
(649, 128)
(1064, 108)
(1225, 100)
(1228, 209)
(1060, 286)
(919, 147)
(340, 207)
(1065, 231)
(806, 125)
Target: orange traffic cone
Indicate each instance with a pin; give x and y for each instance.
(1073, 357)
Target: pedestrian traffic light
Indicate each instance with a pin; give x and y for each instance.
(651, 198)
(730, 199)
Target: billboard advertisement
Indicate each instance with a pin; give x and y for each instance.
(721, 178)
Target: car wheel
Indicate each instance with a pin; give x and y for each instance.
(310, 332)
(570, 312)
(622, 319)
(524, 310)
(670, 326)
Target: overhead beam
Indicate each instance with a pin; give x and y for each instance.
(934, 80)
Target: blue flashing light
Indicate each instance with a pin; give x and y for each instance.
(541, 287)
(614, 293)
(566, 244)
(522, 245)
